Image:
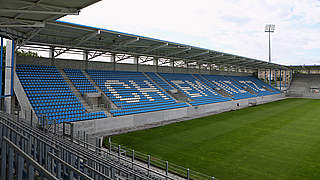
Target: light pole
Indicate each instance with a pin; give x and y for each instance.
(269, 29)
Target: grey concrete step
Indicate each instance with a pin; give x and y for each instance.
(159, 86)
(110, 104)
(75, 91)
(221, 91)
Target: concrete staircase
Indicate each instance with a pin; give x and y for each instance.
(219, 91)
(79, 96)
(179, 96)
(245, 87)
(159, 86)
(109, 104)
(75, 90)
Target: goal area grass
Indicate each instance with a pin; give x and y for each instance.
(278, 140)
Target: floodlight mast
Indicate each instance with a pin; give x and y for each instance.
(269, 29)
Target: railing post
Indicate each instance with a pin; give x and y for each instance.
(167, 168)
(188, 174)
(132, 157)
(3, 159)
(20, 167)
(30, 118)
(119, 149)
(97, 144)
(10, 163)
(55, 126)
(63, 129)
(71, 132)
(110, 145)
(149, 164)
(87, 140)
(84, 139)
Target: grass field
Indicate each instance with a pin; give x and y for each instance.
(279, 140)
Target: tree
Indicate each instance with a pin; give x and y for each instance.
(21, 53)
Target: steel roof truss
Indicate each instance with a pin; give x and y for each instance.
(199, 54)
(79, 41)
(155, 48)
(179, 52)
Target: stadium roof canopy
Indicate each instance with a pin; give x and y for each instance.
(33, 22)
(35, 12)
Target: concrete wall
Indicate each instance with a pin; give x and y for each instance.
(80, 64)
(25, 105)
(115, 125)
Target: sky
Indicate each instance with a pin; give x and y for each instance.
(230, 26)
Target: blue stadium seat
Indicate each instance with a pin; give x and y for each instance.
(50, 96)
(132, 92)
(198, 92)
(159, 81)
(80, 81)
(225, 83)
(258, 86)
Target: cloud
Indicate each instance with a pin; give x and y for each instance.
(234, 26)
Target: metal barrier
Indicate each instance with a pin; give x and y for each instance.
(156, 162)
(28, 153)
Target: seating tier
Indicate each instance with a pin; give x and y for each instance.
(198, 92)
(132, 92)
(159, 81)
(225, 83)
(256, 85)
(50, 96)
(80, 81)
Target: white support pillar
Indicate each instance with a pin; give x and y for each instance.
(136, 61)
(9, 73)
(186, 65)
(85, 57)
(172, 65)
(113, 60)
(156, 63)
(51, 55)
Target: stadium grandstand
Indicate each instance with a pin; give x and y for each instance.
(56, 113)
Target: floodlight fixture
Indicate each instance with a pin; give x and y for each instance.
(269, 29)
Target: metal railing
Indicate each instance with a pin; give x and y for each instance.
(46, 155)
(156, 162)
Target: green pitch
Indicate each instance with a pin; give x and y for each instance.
(279, 140)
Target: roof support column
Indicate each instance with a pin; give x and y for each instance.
(85, 58)
(113, 61)
(285, 78)
(186, 65)
(172, 65)
(270, 77)
(280, 78)
(51, 55)
(10, 66)
(136, 61)
(265, 76)
(1, 63)
(275, 78)
(156, 63)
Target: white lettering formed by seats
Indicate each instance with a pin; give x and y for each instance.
(235, 87)
(109, 83)
(254, 84)
(179, 84)
(221, 85)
